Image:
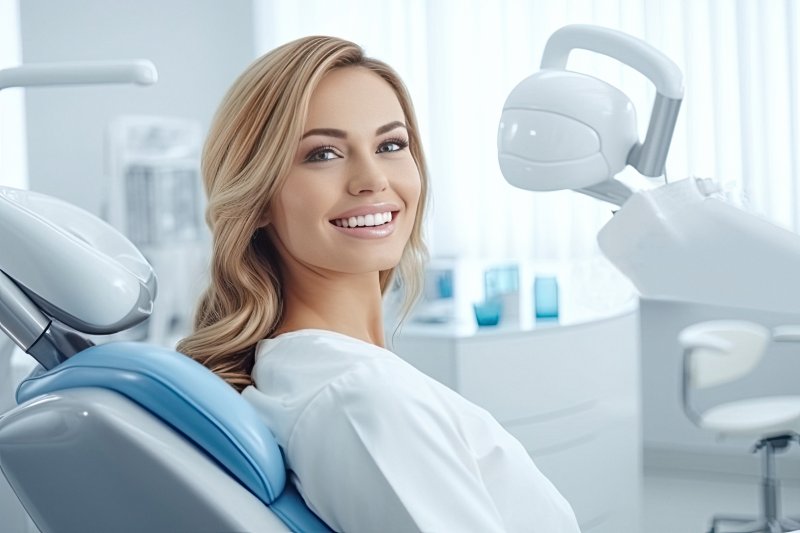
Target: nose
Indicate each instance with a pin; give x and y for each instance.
(366, 174)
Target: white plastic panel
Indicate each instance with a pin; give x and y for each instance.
(89, 459)
(674, 243)
(70, 258)
(588, 128)
(554, 175)
(723, 350)
(544, 136)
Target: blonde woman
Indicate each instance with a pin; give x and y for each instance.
(317, 189)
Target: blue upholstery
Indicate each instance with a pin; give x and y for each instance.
(291, 508)
(195, 402)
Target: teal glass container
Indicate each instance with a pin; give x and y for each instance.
(488, 312)
(545, 296)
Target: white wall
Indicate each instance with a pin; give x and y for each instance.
(198, 47)
(13, 164)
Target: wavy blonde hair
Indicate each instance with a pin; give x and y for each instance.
(247, 155)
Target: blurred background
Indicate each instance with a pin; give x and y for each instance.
(131, 156)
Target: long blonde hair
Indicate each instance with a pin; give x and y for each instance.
(247, 155)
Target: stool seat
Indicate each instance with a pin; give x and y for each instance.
(755, 417)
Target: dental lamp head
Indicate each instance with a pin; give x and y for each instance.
(566, 130)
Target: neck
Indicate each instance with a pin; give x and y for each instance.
(351, 304)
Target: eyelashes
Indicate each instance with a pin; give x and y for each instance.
(318, 151)
(323, 149)
(402, 143)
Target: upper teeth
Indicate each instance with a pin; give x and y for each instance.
(365, 220)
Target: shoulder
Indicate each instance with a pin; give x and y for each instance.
(310, 345)
(373, 400)
(305, 361)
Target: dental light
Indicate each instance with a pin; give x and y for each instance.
(566, 130)
(680, 241)
(42, 301)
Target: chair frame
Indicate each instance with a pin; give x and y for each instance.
(769, 520)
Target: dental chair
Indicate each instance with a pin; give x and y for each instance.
(720, 351)
(120, 436)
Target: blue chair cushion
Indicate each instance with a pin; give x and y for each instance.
(195, 402)
(184, 394)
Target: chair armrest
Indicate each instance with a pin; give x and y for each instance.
(790, 333)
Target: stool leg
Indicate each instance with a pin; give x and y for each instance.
(769, 486)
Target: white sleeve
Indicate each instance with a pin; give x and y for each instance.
(372, 456)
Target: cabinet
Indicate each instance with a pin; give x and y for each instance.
(568, 391)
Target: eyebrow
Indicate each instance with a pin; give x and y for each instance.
(332, 132)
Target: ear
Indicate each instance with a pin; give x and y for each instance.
(265, 220)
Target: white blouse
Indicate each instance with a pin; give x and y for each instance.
(373, 444)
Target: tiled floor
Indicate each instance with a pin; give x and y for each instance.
(684, 503)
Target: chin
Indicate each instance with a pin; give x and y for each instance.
(383, 264)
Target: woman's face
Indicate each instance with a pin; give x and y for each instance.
(353, 159)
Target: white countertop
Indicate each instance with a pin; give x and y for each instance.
(572, 314)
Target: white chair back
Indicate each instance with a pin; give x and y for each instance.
(722, 350)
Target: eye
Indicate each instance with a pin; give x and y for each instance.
(313, 157)
(398, 144)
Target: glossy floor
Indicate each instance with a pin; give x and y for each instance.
(684, 502)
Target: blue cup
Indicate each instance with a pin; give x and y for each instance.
(545, 296)
(487, 313)
(444, 283)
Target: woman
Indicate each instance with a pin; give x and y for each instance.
(317, 187)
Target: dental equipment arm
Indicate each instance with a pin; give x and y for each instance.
(141, 72)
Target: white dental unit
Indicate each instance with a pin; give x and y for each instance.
(691, 254)
(130, 437)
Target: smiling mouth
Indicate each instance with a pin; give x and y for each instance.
(365, 221)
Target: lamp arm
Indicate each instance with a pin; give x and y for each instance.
(140, 71)
(635, 53)
(611, 191)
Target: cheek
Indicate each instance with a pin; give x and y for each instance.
(305, 205)
(411, 186)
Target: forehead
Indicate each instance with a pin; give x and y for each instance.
(351, 98)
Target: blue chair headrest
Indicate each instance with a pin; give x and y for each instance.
(187, 396)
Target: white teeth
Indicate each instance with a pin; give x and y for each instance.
(376, 219)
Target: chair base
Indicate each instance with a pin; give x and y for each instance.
(739, 524)
(770, 520)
